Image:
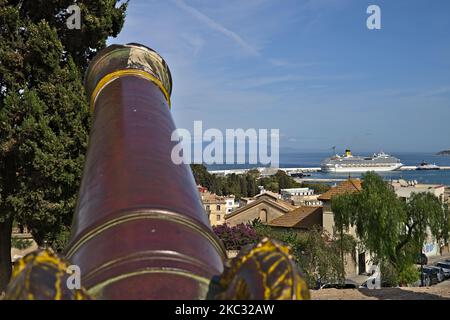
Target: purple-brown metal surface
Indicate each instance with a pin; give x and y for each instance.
(139, 231)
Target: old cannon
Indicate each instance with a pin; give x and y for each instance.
(139, 230)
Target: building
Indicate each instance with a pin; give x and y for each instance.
(347, 186)
(299, 219)
(358, 263)
(301, 197)
(404, 189)
(230, 204)
(268, 193)
(266, 206)
(216, 207)
(286, 194)
(267, 171)
(245, 201)
(306, 201)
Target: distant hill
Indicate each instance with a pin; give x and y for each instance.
(444, 153)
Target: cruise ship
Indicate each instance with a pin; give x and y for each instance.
(350, 163)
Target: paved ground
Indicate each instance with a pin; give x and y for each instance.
(436, 292)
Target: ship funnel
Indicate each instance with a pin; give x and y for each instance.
(348, 152)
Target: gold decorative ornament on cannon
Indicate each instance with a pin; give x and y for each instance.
(139, 230)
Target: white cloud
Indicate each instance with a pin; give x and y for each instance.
(256, 82)
(436, 92)
(217, 27)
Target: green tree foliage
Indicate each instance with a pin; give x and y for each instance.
(245, 185)
(425, 211)
(278, 181)
(44, 117)
(21, 244)
(100, 20)
(342, 208)
(392, 230)
(241, 185)
(201, 175)
(316, 255)
(319, 257)
(318, 188)
(61, 240)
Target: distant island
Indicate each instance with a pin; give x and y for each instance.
(444, 153)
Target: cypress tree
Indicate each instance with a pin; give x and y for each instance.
(44, 118)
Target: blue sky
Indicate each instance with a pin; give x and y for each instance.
(309, 68)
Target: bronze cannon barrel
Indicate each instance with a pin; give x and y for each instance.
(139, 230)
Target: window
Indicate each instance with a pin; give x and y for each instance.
(218, 207)
(218, 217)
(263, 215)
(207, 207)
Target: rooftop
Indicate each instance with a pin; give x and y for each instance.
(303, 217)
(268, 193)
(347, 186)
(278, 203)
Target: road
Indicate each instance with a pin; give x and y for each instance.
(440, 291)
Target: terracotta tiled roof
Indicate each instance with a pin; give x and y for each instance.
(211, 198)
(280, 204)
(348, 186)
(303, 217)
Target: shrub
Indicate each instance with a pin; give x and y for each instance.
(236, 237)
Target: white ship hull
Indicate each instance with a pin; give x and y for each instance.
(347, 169)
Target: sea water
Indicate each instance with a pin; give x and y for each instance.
(314, 159)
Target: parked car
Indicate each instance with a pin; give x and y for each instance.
(440, 272)
(445, 267)
(430, 276)
(346, 285)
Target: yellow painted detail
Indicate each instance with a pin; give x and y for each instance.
(41, 275)
(122, 73)
(267, 266)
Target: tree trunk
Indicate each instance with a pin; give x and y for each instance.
(5, 253)
(342, 255)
